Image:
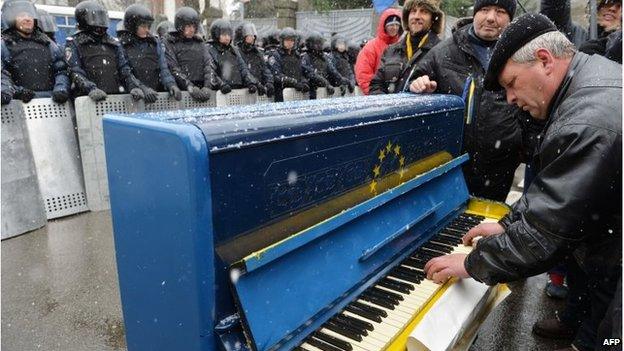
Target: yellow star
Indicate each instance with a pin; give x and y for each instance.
(373, 187)
(377, 170)
(402, 161)
(397, 150)
(401, 172)
(382, 155)
(388, 147)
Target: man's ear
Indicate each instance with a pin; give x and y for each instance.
(546, 59)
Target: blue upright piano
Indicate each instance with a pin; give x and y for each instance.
(284, 226)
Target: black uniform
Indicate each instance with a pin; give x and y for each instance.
(323, 73)
(32, 64)
(146, 55)
(341, 60)
(254, 59)
(230, 67)
(188, 59)
(287, 68)
(97, 62)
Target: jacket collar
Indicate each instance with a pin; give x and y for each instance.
(129, 38)
(83, 37)
(37, 36)
(577, 61)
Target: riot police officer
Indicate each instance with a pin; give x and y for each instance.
(323, 72)
(188, 57)
(341, 60)
(286, 65)
(230, 67)
(271, 42)
(32, 64)
(163, 28)
(47, 24)
(97, 63)
(245, 38)
(146, 54)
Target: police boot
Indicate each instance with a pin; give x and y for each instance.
(553, 329)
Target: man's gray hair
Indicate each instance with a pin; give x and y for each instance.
(555, 42)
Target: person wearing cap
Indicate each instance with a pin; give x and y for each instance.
(423, 21)
(573, 208)
(98, 65)
(32, 64)
(492, 128)
(368, 60)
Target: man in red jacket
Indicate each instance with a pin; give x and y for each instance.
(388, 32)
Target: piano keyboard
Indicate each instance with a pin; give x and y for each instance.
(381, 312)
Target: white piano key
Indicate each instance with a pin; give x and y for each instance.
(310, 347)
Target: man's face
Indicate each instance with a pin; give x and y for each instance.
(490, 21)
(24, 23)
(288, 43)
(189, 31)
(143, 31)
(419, 20)
(525, 86)
(610, 16)
(225, 38)
(393, 29)
(250, 39)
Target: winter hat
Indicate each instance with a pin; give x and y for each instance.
(432, 6)
(392, 20)
(508, 5)
(519, 32)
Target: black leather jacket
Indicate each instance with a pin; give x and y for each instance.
(574, 204)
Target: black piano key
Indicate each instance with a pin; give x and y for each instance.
(322, 345)
(424, 254)
(395, 287)
(413, 272)
(460, 226)
(437, 247)
(379, 301)
(364, 314)
(343, 345)
(448, 245)
(464, 222)
(371, 309)
(299, 348)
(414, 263)
(362, 324)
(405, 277)
(447, 239)
(452, 232)
(471, 216)
(346, 332)
(348, 324)
(388, 293)
(429, 253)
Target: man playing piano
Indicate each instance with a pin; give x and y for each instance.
(573, 207)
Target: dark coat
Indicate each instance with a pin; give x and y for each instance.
(574, 204)
(256, 63)
(190, 62)
(148, 61)
(285, 64)
(558, 11)
(109, 74)
(395, 70)
(492, 128)
(35, 63)
(230, 67)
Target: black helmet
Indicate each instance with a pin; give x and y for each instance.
(186, 16)
(243, 30)
(337, 40)
(91, 14)
(288, 33)
(219, 27)
(135, 16)
(272, 39)
(120, 28)
(46, 22)
(315, 42)
(11, 9)
(165, 27)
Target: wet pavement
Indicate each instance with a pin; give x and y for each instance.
(60, 292)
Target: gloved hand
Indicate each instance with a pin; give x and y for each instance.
(60, 96)
(175, 92)
(305, 87)
(206, 94)
(25, 95)
(6, 97)
(261, 90)
(150, 94)
(252, 88)
(137, 94)
(270, 90)
(195, 92)
(330, 90)
(289, 82)
(351, 87)
(97, 94)
(343, 90)
(299, 86)
(225, 89)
